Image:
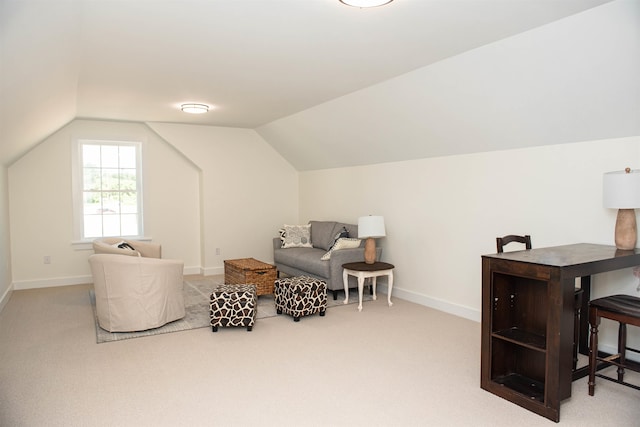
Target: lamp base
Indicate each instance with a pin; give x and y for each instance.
(626, 229)
(370, 250)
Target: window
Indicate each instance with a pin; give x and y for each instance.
(108, 189)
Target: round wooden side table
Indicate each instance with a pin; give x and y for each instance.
(362, 270)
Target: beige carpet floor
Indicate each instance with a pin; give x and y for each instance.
(405, 365)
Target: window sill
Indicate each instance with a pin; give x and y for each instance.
(87, 245)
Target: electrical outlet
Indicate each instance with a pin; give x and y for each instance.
(47, 259)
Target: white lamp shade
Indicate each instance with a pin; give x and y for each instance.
(371, 226)
(621, 190)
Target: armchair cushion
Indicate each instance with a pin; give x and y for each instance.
(109, 245)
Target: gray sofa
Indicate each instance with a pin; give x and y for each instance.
(307, 261)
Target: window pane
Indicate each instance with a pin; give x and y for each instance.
(110, 156)
(128, 203)
(129, 225)
(128, 179)
(92, 226)
(111, 225)
(110, 203)
(91, 155)
(128, 156)
(91, 179)
(92, 203)
(110, 179)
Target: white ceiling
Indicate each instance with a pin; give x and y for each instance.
(254, 61)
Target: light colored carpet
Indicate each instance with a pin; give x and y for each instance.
(405, 365)
(196, 300)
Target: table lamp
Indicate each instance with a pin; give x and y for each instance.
(621, 190)
(370, 227)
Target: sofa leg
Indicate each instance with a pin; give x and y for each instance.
(335, 294)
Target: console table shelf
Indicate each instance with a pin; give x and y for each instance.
(521, 337)
(529, 388)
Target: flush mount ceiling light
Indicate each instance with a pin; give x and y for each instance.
(194, 108)
(365, 3)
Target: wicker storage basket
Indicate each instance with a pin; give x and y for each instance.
(250, 271)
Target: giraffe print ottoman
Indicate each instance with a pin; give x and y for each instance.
(233, 305)
(300, 296)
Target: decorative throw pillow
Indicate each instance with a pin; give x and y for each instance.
(282, 233)
(297, 236)
(339, 235)
(342, 243)
(123, 245)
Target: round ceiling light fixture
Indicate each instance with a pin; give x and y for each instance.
(192, 108)
(365, 3)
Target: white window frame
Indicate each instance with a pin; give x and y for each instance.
(78, 177)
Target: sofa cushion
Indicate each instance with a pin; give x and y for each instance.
(297, 236)
(305, 259)
(322, 234)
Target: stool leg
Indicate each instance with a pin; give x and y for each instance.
(594, 321)
(622, 345)
(577, 303)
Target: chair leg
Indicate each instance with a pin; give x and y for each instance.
(622, 345)
(593, 353)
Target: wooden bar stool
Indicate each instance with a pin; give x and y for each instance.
(624, 309)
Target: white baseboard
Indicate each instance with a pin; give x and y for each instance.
(6, 296)
(212, 271)
(438, 304)
(50, 283)
(192, 270)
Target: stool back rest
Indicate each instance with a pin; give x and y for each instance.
(501, 242)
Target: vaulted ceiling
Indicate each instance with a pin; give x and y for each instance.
(282, 67)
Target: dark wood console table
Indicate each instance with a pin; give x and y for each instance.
(527, 320)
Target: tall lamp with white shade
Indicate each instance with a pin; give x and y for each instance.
(621, 190)
(370, 227)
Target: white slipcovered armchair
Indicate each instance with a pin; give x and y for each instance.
(135, 293)
(109, 245)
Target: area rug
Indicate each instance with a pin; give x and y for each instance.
(196, 301)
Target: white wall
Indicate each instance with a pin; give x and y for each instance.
(40, 201)
(443, 213)
(205, 188)
(248, 190)
(5, 245)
